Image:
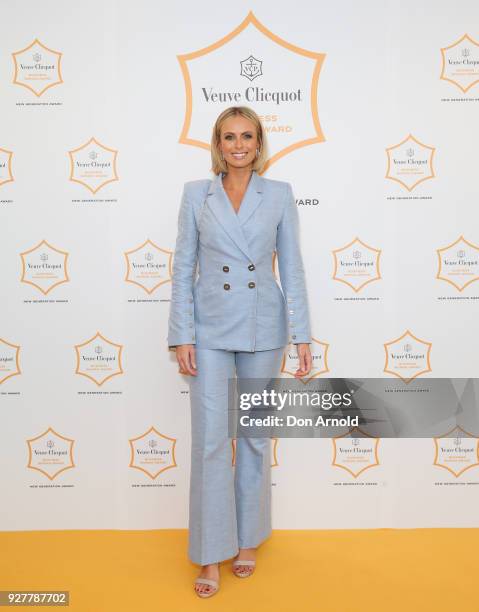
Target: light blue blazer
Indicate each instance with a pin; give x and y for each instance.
(235, 303)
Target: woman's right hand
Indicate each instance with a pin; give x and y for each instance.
(185, 355)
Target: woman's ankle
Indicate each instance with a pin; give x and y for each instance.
(210, 566)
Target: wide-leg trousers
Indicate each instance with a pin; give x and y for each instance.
(230, 506)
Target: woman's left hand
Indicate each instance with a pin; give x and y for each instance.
(305, 360)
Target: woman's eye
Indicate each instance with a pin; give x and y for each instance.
(248, 136)
(228, 137)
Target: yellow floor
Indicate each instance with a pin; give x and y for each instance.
(382, 570)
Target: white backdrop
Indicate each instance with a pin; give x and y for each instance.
(98, 436)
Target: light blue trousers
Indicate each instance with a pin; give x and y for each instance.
(230, 507)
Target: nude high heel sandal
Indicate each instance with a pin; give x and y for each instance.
(210, 582)
(243, 563)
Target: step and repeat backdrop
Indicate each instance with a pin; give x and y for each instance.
(371, 111)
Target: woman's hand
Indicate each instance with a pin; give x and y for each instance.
(305, 360)
(185, 355)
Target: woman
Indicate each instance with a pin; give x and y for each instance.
(233, 320)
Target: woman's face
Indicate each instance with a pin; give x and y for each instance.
(238, 142)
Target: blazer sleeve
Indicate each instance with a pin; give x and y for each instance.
(291, 271)
(181, 322)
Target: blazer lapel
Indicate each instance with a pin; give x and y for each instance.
(252, 198)
(224, 212)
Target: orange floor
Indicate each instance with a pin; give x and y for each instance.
(382, 570)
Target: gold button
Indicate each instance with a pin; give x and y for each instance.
(251, 285)
(226, 269)
(226, 286)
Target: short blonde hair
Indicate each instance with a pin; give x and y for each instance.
(217, 162)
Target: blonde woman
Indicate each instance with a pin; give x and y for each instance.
(233, 320)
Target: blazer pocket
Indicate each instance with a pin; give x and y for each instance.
(271, 303)
(209, 303)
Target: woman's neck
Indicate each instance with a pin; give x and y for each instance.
(237, 179)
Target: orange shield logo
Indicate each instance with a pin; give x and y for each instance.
(248, 67)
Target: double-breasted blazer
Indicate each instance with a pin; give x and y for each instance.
(235, 302)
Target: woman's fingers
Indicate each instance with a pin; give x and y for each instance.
(192, 361)
(193, 357)
(305, 361)
(185, 355)
(309, 361)
(301, 371)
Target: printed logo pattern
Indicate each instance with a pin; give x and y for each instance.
(50, 453)
(148, 266)
(355, 455)
(456, 451)
(460, 63)
(93, 165)
(6, 175)
(9, 360)
(44, 267)
(152, 453)
(459, 263)
(356, 264)
(410, 162)
(99, 359)
(247, 67)
(37, 68)
(407, 355)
